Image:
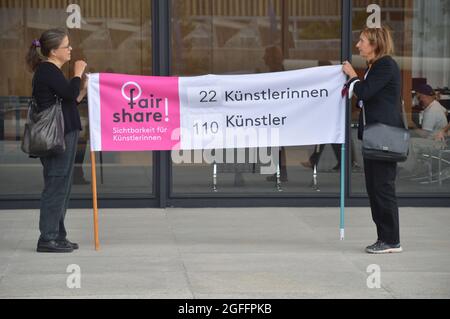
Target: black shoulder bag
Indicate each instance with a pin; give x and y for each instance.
(384, 142)
(44, 130)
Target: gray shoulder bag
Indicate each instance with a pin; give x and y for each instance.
(384, 142)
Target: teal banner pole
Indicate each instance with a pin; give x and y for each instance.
(342, 214)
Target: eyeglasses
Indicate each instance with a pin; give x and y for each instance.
(66, 47)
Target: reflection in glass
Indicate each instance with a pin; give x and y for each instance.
(114, 37)
(241, 37)
(421, 32)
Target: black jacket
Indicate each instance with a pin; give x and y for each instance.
(48, 81)
(381, 94)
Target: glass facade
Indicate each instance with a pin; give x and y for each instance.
(421, 31)
(226, 37)
(238, 37)
(113, 36)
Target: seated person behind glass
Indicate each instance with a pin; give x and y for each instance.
(425, 141)
(434, 114)
(442, 134)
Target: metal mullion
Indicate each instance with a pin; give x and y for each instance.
(346, 51)
(161, 66)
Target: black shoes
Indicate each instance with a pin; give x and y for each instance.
(53, 246)
(381, 247)
(56, 246)
(68, 243)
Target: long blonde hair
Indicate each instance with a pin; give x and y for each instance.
(381, 40)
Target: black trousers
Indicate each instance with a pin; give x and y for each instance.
(380, 184)
(315, 156)
(58, 171)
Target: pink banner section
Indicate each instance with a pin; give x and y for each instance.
(139, 113)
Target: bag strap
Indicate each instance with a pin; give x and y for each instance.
(33, 84)
(57, 98)
(364, 115)
(402, 114)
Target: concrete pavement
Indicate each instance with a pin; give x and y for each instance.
(227, 253)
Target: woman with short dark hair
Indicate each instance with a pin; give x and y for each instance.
(380, 94)
(45, 58)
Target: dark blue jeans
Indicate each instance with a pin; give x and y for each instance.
(58, 171)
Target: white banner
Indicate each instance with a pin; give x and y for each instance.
(300, 107)
(139, 113)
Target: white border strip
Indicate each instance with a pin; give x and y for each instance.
(94, 112)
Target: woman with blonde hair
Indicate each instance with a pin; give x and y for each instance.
(380, 95)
